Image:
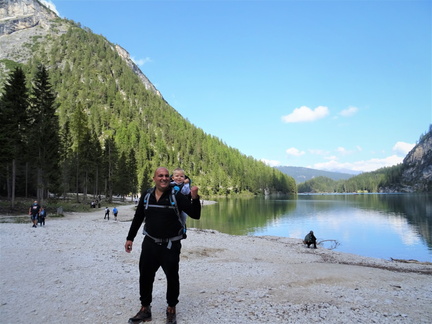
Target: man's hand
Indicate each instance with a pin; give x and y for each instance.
(194, 192)
(128, 246)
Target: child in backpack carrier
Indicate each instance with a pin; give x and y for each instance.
(182, 181)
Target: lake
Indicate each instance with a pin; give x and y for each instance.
(383, 226)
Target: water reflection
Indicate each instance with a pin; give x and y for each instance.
(377, 225)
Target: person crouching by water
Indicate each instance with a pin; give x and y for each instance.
(162, 243)
(310, 239)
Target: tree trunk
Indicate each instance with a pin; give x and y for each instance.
(13, 183)
(26, 180)
(40, 186)
(8, 182)
(77, 179)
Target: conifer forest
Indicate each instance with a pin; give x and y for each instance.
(76, 119)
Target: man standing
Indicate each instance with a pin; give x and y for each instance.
(34, 213)
(161, 245)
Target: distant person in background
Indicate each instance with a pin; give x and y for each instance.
(115, 212)
(34, 213)
(42, 215)
(107, 211)
(310, 239)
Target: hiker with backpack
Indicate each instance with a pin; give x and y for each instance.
(160, 210)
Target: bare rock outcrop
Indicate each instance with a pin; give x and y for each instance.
(17, 15)
(417, 165)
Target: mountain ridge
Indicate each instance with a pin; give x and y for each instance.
(31, 19)
(302, 174)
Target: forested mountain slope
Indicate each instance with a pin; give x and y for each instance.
(112, 120)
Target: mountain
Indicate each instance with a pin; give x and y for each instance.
(417, 166)
(25, 22)
(301, 174)
(414, 174)
(110, 113)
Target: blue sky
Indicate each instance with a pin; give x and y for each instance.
(331, 85)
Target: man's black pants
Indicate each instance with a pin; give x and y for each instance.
(153, 256)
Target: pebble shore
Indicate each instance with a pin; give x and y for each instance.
(75, 270)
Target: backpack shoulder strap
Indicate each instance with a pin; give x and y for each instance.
(147, 198)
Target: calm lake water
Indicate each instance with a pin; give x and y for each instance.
(376, 225)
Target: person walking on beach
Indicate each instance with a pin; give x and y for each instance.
(107, 211)
(162, 243)
(34, 212)
(115, 212)
(42, 215)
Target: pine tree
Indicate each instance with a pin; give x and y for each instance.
(80, 136)
(109, 158)
(44, 131)
(13, 106)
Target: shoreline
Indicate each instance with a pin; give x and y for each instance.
(78, 266)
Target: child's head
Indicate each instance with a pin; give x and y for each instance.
(178, 176)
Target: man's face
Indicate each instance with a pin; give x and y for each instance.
(162, 179)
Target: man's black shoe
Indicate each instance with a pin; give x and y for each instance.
(171, 315)
(144, 315)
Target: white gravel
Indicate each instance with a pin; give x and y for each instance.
(75, 270)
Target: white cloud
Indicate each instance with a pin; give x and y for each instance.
(141, 62)
(330, 157)
(349, 111)
(318, 152)
(294, 152)
(402, 148)
(360, 166)
(50, 5)
(306, 114)
(342, 150)
(271, 163)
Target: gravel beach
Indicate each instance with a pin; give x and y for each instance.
(75, 270)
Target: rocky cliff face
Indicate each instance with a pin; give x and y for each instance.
(126, 57)
(17, 15)
(417, 166)
(24, 22)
